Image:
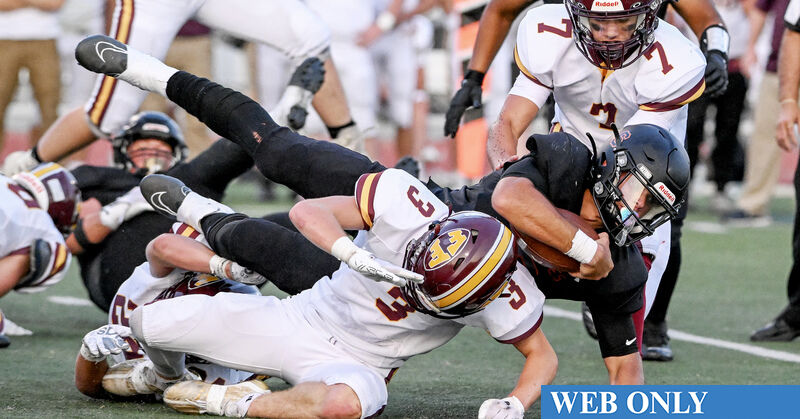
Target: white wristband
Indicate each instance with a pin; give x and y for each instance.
(217, 265)
(516, 403)
(718, 38)
(583, 248)
(385, 21)
(343, 248)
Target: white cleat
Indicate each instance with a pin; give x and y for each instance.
(199, 397)
(138, 376)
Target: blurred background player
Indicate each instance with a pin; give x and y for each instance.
(37, 209)
(151, 24)
(786, 326)
(178, 263)
(28, 33)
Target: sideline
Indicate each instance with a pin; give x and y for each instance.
(702, 340)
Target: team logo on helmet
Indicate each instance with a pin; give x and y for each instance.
(446, 247)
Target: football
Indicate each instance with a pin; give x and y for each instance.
(550, 257)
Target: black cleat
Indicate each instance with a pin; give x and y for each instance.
(655, 342)
(164, 193)
(308, 76)
(588, 321)
(776, 331)
(4, 342)
(102, 54)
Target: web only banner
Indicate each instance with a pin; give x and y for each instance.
(668, 401)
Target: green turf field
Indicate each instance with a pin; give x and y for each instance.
(733, 281)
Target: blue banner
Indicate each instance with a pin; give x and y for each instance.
(717, 401)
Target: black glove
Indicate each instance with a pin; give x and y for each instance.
(469, 95)
(716, 73)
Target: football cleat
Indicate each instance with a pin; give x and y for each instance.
(164, 193)
(588, 321)
(303, 85)
(655, 342)
(105, 55)
(776, 331)
(197, 397)
(409, 165)
(138, 376)
(171, 198)
(102, 54)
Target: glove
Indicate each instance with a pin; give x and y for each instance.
(104, 341)
(469, 95)
(220, 266)
(368, 265)
(508, 408)
(19, 161)
(123, 209)
(716, 73)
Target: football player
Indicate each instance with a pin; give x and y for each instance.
(498, 16)
(460, 269)
(36, 209)
(179, 263)
(152, 24)
(319, 169)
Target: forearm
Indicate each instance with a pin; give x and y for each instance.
(502, 144)
(69, 133)
(541, 365)
(317, 223)
(169, 251)
(757, 18)
(699, 14)
(531, 213)
(8, 5)
(94, 232)
(46, 5)
(12, 269)
(494, 26)
(789, 66)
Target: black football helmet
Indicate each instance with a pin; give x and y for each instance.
(466, 259)
(149, 125)
(640, 181)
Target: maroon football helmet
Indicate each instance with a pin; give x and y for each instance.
(196, 283)
(466, 259)
(55, 190)
(617, 54)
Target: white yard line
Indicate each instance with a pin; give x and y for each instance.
(702, 340)
(69, 301)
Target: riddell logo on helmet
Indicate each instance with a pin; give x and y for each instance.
(607, 6)
(665, 192)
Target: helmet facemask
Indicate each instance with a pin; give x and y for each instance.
(613, 55)
(630, 204)
(149, 126)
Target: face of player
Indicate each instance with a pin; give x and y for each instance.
(151, 154)
(637, 197)
(613, 30)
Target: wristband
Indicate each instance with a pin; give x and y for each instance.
(35, 154)
(217, 265)
(385, 21)
(788, 101)
(716, 37)
(343, 248)
(583, 248)
(516, 403)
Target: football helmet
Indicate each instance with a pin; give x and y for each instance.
(640, 181)
(55, 190)
(149, 125)
(615, 54)
(466, 260)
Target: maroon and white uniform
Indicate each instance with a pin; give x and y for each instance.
(347, 328)
(22, 223)
(143, 288)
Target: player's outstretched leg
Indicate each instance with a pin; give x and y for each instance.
(309, 167)
(172, 198)
(199, 397)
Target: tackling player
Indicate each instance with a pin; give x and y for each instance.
(36, 209)
(179, 263)
(318, 169)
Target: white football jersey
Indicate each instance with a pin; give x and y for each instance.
(22, 222)
(371, 320)
(143, 288)
(653, 89)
